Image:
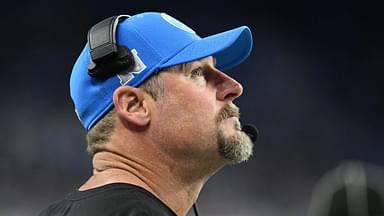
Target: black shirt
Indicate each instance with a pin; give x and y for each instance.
(117, 199)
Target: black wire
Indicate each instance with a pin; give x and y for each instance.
(195, 209)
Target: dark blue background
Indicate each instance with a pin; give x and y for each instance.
(313, 85)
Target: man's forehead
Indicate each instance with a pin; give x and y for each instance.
(210, 60)
(207, 60)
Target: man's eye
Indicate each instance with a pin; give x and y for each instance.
(197, 72)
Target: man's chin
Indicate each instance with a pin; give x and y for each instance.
(234, 148)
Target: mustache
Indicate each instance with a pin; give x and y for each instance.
(228, 111)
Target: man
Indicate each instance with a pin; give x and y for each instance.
(161, 125)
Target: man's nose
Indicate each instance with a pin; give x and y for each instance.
(228, 89)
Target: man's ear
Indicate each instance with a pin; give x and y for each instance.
(131, 106)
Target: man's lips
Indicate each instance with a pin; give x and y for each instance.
(234, 121)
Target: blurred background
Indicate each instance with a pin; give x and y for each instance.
(313, 85)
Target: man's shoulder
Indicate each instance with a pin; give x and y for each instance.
(113, 199)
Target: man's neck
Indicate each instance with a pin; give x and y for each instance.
(159, 178)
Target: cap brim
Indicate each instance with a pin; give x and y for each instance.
(229, 48)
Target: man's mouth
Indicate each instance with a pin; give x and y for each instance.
(231, 123)
(238, 125)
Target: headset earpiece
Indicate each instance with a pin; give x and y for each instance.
(108, 58)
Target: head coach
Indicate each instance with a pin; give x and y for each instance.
(159, 114)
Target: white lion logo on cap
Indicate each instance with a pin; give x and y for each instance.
(176, 23)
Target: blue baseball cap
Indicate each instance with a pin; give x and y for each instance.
(157, 41)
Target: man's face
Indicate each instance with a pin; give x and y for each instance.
(196, 116)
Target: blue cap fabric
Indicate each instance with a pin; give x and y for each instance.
(157, 41)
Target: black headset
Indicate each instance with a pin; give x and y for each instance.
(108, 58)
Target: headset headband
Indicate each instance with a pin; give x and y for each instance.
(106, 56)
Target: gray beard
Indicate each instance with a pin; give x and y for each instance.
(235, 149)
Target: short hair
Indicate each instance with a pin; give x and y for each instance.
(100, 133)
